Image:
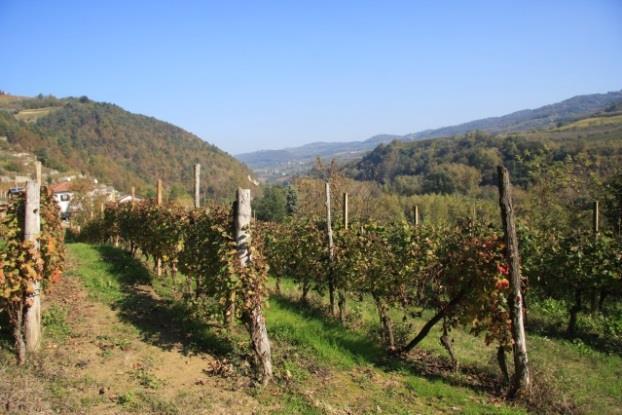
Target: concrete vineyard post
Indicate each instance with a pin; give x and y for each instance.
(197, 186)
(133, 194)
(32, 229)
(416, 215)
(254, 316)
(521, 381)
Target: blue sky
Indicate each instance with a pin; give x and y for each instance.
(257, 75)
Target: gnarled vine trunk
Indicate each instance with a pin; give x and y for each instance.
(385, 323)
(260, 343)
(306, 286)
(503, 365)
(342, 306)
(16, 314)
(574, 311)
(425, 330)
(446, 343)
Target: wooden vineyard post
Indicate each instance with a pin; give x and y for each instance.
(342, 294)
(197, 185)
(595, 218)
(345, 211)
(32, 228)
(331, 251)
(253, 316)
(38, 174)
(521, 381)
(159, 203)
(159, 192)
(416, 215)
(133, 194)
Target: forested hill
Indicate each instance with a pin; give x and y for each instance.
(462, 163)
(115, 146)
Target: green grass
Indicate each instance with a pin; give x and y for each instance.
(320, 341)
(110, 275)
(579, 374)
(54, 321)
(96, 273)
(320, 366)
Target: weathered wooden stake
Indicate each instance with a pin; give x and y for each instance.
(32, 228)
(38, 174)
(521, 382)
(595, 218)
(345, 211)
(159, 202)
(133, 194)
(416, 215)
(341, 294)
(197, 185)
(159, 192)
(331, 251)
(254, 318)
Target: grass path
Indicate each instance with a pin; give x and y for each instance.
(115, 345)
(95, 361)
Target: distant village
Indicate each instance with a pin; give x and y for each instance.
(63, 187)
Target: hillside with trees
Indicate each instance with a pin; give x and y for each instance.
(118, 147)
(461, 164)
(275, 165)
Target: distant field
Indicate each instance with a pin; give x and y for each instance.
(600, 121)
(33, 114)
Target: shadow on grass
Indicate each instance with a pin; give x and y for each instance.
(557, 330)
(163, 322)
(6, 335)
(366, 348)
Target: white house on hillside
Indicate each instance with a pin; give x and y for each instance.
(128, 199)
(62, 195)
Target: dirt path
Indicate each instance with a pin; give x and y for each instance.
(102, 364)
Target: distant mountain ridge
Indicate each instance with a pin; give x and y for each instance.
(307, 152)
(272, 164)
(542, 117)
